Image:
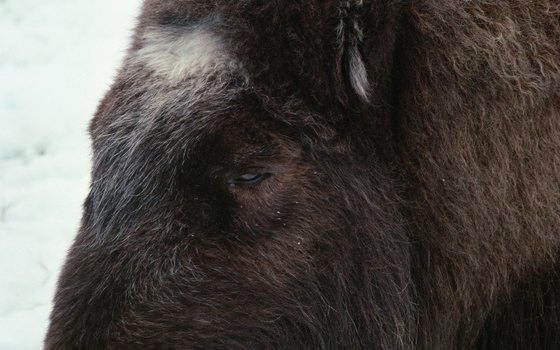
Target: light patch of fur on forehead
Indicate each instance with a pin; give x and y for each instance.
(176, 53)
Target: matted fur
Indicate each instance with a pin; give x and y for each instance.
(410, 196)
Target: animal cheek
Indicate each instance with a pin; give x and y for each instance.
(268, 209)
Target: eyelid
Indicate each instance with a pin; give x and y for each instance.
(236, 179)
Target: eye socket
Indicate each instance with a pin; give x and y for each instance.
(248, 178)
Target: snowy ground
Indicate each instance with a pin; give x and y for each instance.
(57, 57)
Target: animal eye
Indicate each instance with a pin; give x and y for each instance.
(248, 178)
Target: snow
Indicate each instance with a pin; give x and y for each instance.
(57, 58)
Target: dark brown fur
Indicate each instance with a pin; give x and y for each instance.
(425, 217)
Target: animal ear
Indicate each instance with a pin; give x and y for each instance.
(350, 64)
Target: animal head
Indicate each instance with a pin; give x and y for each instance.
(243, 188)
(323, 175)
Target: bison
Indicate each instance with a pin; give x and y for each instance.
(324, 174)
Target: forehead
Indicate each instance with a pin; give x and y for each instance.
(287, 47)
(178, 83)
(195, 68)
(182, 53)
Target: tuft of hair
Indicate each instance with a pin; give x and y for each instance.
(351, 66)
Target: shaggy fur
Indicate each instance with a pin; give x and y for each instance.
(409, 189)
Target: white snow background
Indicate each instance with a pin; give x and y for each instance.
(57, 58)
